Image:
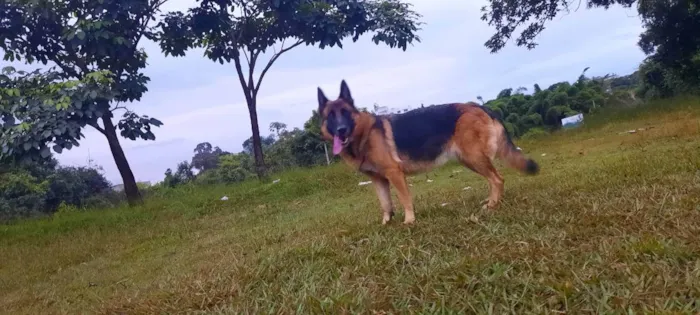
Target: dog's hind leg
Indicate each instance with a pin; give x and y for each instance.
(482, 165)
(381, 185)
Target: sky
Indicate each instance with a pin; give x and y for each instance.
(199, 100)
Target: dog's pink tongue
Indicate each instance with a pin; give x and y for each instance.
(337, 145)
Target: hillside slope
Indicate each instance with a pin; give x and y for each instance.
(612, 222)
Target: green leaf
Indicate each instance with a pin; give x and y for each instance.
(27, 146)
(93, 94)
(58, 149)
(45, 153)
(80, 35)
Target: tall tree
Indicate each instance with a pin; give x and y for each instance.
(278, 128)
(81, 37)
(242, 31)
(507, 15)
(206, 157)
(671, 36)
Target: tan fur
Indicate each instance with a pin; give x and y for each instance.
(477, 141)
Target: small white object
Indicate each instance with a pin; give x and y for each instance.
(444, 204)
(543, 154)
(224, 198)
(467, 188)
(519, 149)
(456, 171)
(632, 131)
(430, 181)
(364, 183)
(276, 181)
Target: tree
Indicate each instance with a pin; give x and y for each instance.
(182, 175)
(80, 38)
(242, 31)
(265, 142)
(206, 157)
(278, 128)
(507, 15)
(671, 37)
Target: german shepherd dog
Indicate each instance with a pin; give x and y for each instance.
(387, 148)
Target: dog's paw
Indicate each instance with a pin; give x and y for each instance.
(489, 205)
(409, 220)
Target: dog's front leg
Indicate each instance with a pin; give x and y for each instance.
(381, 185)
(398, 179)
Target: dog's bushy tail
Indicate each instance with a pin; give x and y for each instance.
(514, 158)
(507, 151)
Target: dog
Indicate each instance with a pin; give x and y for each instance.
(386, 148)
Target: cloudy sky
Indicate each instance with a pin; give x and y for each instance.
(199, 100)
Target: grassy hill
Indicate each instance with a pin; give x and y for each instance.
(612, 222)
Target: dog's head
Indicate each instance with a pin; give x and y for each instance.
(338, 117)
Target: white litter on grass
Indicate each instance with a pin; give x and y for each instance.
(444, 204)
(543, 154)
(467, 188)
(456, 171)
(364, 183)
(519, 149)
(276, 181)
(224, 198)
(429, 181)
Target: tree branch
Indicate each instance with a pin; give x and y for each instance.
(94, 124)
(251, 69)
(283, 50)
(241, 76)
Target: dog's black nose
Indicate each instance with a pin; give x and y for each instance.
(341, 130)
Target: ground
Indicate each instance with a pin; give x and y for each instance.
(611, 224)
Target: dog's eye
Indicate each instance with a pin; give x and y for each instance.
(344, 112)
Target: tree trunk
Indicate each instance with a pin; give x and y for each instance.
(257, 144)
(133, 196)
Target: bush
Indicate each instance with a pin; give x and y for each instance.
(535, 133)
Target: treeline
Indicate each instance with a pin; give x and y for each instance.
(284, 149)
(542, 109)
(42, 188)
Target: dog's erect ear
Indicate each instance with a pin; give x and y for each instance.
(345, 93)
(322, 100)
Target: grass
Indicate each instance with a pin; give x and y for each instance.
(611, 225)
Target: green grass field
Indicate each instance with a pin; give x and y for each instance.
(611, 225)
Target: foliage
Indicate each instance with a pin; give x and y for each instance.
(183, 174)
(32, 188)
(242, 31)
(284, 150)
(40, 108)
(82, 38)
(521, 112)
(206, 157)
(508, 15)
(670, 37)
